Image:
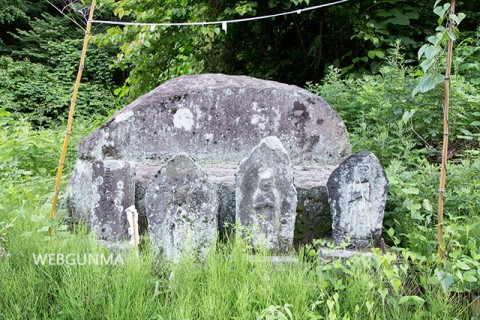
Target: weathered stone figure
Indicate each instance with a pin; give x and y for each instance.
(357, 192)
(266, 198)
(181, 208)
(113, 191)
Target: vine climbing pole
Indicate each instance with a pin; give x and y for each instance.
(446, 98)
(72, 110)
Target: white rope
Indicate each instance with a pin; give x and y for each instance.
(222, 22)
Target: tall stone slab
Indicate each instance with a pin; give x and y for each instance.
(181, 207)
(113, 190)
(266, 198)
(79, 192)
(357, 193)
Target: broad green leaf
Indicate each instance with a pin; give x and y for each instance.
(396, 283)
(434, 39)
(407, 115)
(440, 11)
(407, 41)
(459, 275)
(427, 205)
(401, 20)
(426, 64)
(369, 305)
(471, 278)
(416, 215)
(466, 132)
(384, 13)
(383, 292)
(460, 16)
(431, 52)
(330, 304)
(446, 280)
(413, 14)
(462, 265)
(428, 82)
(451, 35)
(415, 299)
(421, 51)
(411, 190)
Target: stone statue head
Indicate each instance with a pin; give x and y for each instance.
(362, 173)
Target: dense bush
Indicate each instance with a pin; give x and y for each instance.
(33, 92)
(27, 153)
(382, 115)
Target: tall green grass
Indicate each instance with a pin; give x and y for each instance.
(228, 284)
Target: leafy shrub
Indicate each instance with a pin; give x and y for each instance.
(31, 91)
(56, 44)
(411, 202)
(28, 152)
(382, 116)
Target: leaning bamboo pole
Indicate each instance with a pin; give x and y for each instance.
(72, 110)
(446, 98)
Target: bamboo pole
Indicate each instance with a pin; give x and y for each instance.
(446, 98)
(72, 110)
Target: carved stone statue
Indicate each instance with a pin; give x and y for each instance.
(181, 209)
(266, 198)
(357, 192)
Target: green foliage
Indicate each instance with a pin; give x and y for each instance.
(31, 91)
(465, 58)
(382, 116)
(411, 205)
(12, 11)
(152, 56)
(383, 27)
(38, 84)
(354, 37)
(27, 153)
(230, 283)
(56, 44)
(432, 54)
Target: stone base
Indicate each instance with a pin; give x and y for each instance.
(116, 248)
(274, 260)
(333, 254)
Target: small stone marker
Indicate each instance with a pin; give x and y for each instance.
(357, 192)
(113, 191)
(266, 198)
(181, 208)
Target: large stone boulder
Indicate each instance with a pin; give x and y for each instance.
(217, 119)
